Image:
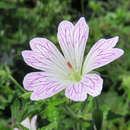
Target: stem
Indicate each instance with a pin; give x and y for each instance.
(84, 105)
(12, 78)
(97, 115)
(70, 111)
(79, 113)
(82, 7)
(16, 83)
(78, 125)
(96, 103)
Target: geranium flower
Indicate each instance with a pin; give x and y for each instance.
(68, 71)
(30, 124)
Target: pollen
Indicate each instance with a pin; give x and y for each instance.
(69, 65)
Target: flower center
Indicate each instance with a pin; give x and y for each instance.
(74, 75)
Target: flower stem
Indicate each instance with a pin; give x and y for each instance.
(96, 103)
(97, 115)
(12, 79)
(16, 83)
(84, 105)
(78, 125)
(70, 111)
(82, 6)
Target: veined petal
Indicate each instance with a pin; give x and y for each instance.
(45, 56)
(43, 85)
(72, 40)
(47, 90)
(65, 37)
(35, 79)
(33, 122)
(26, 123)
(90, 84)
(16, 128)
(101, 54)
(80, 32)
(76, 92)
(93, 84)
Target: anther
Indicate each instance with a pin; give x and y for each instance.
(69, 65)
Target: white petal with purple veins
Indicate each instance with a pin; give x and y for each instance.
(26, 123)
(35, 80)
(73, 40)
(65, 37)
(45, 56)
(101, 54)
(43, 85)
(80, 32)
(33, 122)
(48, 89)
(76, 92)
(93, 84)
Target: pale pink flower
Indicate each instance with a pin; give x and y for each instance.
(68, 71)
(30, 124)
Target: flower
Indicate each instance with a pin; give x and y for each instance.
(68, 71)
(31, 125)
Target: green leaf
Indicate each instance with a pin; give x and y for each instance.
(112, 115)
(5, 5)
(5, 128)
(26, 95)
(52, 113)
(50, 126)
(15, 110)
(97, 117)
(22, 127)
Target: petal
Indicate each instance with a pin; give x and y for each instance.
(72, 40)
(81, 32)
(26, 123)
(101, 54)
(76, 92)
(40, 79)
(65, 37)
(43, 85)
(93, 84)
(31, 59)
(33, 123)
(33, 80)
(47, 90)
(16, 128)
(45, 56)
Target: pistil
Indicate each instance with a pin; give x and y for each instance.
(75, 76)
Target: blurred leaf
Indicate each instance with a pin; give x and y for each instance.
(111, 115)
(26, 95)
(95, 5)
(51, 126)
(97, 119)
(5, 128)
(6, 5)
(97, 116)
(52, 113)
(15, 110)
(126, 80)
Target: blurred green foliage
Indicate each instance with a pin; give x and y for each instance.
(20, 21)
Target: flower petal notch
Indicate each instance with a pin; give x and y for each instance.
(102, 53)
(68, 71)
(29, 124)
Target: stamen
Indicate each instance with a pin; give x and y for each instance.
(69, 65)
